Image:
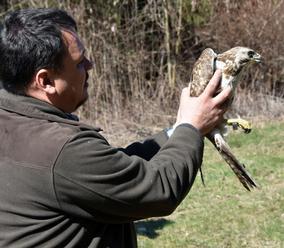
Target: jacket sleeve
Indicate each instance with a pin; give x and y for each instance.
(97, 182)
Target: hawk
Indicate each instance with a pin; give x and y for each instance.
(231, 63)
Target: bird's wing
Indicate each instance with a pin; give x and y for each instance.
(202, 72)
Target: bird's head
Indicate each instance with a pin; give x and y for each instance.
(246, 56)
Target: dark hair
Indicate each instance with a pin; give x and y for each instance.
(31, 39)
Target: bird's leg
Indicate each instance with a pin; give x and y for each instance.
(239, 123)
(220, 142)
(217, 138)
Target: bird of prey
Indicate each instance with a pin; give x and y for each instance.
(231, 63)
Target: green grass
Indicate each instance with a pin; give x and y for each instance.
(223, 213)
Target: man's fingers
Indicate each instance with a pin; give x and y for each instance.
(212, 89)
(213, 84)
(223, 96)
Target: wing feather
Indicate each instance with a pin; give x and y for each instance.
(202, 72)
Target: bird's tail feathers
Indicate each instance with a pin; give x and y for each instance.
(239, 169)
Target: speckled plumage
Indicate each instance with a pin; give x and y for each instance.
(231, 63)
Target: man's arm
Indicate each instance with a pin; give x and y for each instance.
(203, 113)
(95, 181)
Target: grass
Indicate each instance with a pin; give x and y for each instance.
(223, 213)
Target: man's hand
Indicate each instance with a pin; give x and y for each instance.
(207, 110)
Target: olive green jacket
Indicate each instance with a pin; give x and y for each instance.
(63, 185)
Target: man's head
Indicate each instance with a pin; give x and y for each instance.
(42, 56)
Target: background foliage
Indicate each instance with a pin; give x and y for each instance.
(144, 51)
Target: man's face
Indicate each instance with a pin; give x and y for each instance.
(72, 79)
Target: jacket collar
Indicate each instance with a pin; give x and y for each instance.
(35, 108)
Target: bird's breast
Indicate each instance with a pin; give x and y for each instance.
(219, 64)
(227, 79)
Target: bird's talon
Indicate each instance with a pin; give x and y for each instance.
(240, 123)
(247, 130)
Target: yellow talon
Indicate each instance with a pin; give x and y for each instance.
(240, 123)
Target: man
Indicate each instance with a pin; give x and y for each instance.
(62, 184)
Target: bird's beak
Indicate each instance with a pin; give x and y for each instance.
(257, 58)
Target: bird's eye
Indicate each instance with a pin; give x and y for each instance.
(251, 54)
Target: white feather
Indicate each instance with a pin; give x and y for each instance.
(226, 80)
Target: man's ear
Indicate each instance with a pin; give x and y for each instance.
(44, 81)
